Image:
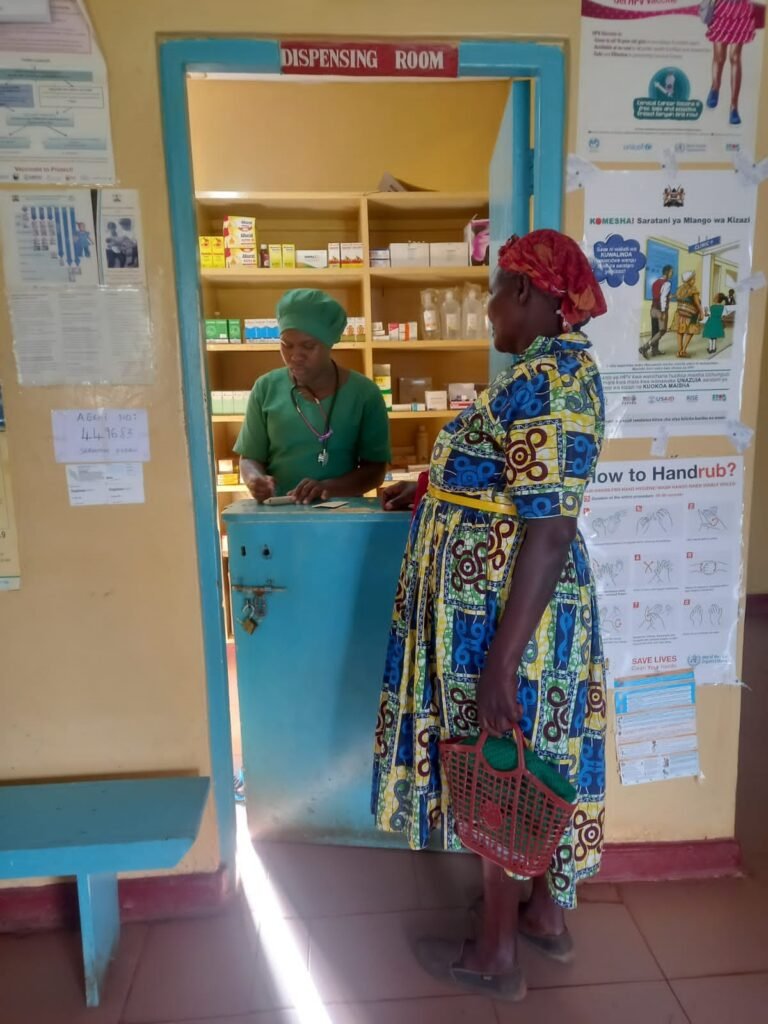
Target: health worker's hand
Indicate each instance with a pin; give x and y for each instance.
(261, 487)
(307, 491)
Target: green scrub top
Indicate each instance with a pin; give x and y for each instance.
(275, 435)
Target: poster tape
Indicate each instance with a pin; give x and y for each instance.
(669, 162)
(659, 442)
(740, 434)
(749, 172)
(751, 284)
(578, 172)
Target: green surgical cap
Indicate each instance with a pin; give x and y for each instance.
(313, 312)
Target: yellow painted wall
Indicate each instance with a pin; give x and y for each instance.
(101, 665)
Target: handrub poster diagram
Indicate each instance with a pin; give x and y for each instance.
(664, 539)
(674, 75)
(671, 255)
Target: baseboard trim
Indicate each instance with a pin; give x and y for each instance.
(162, 897)
(666, 862)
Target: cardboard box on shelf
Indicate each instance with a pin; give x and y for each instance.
(216, 330)
(379, 257)
(436, 400)
(448, 254)
(289, 257)
(409, 254)
(276, 257)
(241, 257)
(312, 259)
(461, 396)
(334, 255)
(477, 235)
(239, 232)
(234, 332)
(412, 390)
(351, 254)
(204, 241)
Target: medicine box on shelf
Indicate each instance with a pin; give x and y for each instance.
(409, 254)
(448, 254)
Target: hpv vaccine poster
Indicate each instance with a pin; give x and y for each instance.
(664, 538)
(670, 254)
(669, 74)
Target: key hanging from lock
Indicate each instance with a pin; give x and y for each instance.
(249, 619)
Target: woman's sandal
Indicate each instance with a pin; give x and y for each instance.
(439, 958)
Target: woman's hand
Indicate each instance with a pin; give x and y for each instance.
(498, 707)
(261, 487)
(398, 497)
(307, 491)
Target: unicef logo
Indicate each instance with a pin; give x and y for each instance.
(594, 143)
(694, 660)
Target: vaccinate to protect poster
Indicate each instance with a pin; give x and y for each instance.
(674, 75)
(670, 253)
(54, 125)
(664, 539)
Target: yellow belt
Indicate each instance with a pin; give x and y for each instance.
(460, 499)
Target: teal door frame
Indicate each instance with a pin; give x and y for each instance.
(542, 174)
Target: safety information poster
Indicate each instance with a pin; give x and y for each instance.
(9, 550)
(48, 239)
(656, 737)
(664, 538)
(54, 101)
(675, 75)
(670, 255)
(106, 483)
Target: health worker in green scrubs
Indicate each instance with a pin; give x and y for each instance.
(313, 430)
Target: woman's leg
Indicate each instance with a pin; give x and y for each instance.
(680, 338)
(686, 342)
(541, 915)
(735, 57)
(718, 63)
(494, 951)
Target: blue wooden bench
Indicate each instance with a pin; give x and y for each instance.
(93, 830)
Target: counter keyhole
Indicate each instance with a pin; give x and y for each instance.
(265, 552)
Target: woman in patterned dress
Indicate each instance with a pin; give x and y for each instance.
(496, 530)
(733, 24)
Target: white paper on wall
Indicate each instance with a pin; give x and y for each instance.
(100, 435)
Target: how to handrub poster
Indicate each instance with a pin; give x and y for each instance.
(675, 75)
(670, 254)
(665, 542)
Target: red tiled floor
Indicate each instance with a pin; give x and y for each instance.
(741, 999)
(357, 912)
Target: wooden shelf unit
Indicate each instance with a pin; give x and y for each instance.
(310, 220)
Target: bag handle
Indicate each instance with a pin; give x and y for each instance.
(484, 735)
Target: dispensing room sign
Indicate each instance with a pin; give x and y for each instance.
(385, 60)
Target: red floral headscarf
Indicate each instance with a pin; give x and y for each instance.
(556, 265)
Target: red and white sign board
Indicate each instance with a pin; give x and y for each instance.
(385, 60)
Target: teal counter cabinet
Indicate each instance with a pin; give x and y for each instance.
(312, 595)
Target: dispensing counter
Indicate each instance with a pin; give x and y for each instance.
(312, 594)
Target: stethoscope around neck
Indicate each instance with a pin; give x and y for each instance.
(323, 437)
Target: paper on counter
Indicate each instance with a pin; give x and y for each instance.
(106, 483)
(100, 435)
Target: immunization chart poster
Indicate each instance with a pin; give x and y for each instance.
(670, 254)
(674, 75)
(48, 239)
(664, 539)
(54, 101)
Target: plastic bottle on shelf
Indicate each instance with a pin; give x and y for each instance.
(451, 317)
(486, 321)
(422, 446)
(430, 317)
(472, 314)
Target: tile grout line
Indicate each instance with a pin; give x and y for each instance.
(134, 974)
(648, 946)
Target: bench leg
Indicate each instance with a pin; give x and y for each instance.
(99, 928)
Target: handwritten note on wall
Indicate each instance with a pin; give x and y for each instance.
(100, 435)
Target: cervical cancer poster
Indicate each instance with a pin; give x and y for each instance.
(660, 75)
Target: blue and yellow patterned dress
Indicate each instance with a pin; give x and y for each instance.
(524, 450)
